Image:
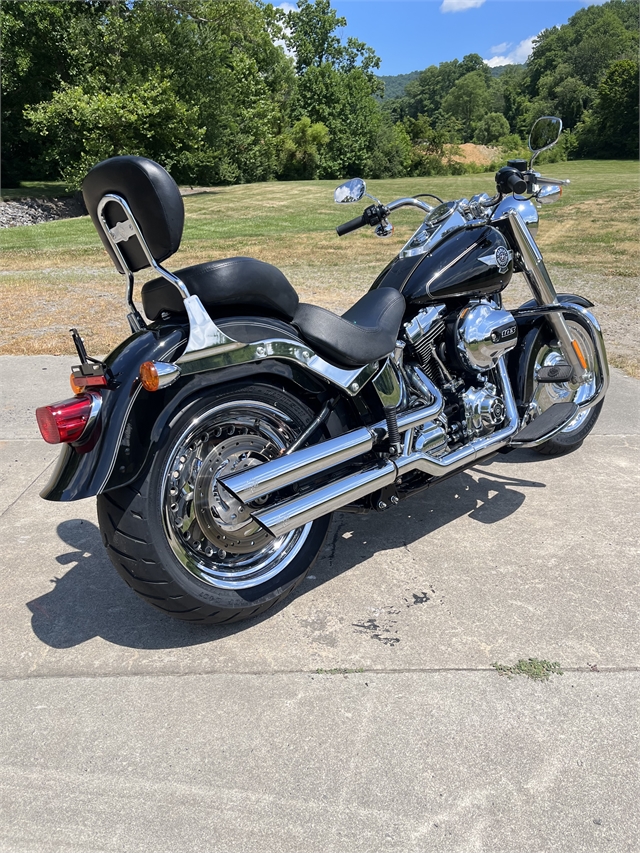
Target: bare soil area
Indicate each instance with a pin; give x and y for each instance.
(481, 155)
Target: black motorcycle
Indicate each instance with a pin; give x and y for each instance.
(222, 434)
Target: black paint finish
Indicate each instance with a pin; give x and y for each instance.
(452, 269)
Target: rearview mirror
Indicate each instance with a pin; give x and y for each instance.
(544, 133)
(350, 191)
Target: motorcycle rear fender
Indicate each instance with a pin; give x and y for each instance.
(521, 358)
(132, 419)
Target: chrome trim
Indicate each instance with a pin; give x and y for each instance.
(203, 332)
(595, 333)
(204, 335)
(492, 260)
(214, 358)
(167, 373)
(285, 470)
(289, 469)
(292, 513)
(548, 193)
(132, 224)
(121, 231)
(96, 405)
(387, 386)
(524, 207)
(429, 235)
(542, 287)
(417, 328)
(409, 202)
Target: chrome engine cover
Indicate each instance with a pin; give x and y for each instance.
(484, 410)
(483, 333)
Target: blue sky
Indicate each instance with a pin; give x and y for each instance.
(409, 35)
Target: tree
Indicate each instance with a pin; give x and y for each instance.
(491, 128)
(37, 44)
(147, 120)
(467, 101)
(301, 147)
(611, 128)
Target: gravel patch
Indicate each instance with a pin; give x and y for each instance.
(33, 211)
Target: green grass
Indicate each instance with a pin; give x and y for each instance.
(35, 189)
(537, 670)
(58, 272)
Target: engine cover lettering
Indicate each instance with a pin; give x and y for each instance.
(484, 333)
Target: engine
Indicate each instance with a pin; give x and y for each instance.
(482, 333)
(458, 352)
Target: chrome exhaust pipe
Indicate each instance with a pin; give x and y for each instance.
(286, 470)
(298, 511)
(286, 516)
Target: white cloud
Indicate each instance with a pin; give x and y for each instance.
(460, 5)
(517, 56)
(291, 7)
(500, 48)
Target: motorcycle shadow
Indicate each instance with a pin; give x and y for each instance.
(90, 600)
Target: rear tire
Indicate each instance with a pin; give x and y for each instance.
(180, 543)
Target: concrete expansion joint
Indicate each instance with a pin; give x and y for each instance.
(591, 670)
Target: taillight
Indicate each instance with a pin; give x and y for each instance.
(66, 421)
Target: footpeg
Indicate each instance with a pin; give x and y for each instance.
(546, 425)
(559, 372)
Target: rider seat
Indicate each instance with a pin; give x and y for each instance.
(131, 196)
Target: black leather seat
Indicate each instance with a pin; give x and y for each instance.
(366, 332)
(232, 282)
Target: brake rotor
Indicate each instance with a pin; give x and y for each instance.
(223, 519)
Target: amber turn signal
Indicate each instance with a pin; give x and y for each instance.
(578, 351)
(149, 376)
(75, 387)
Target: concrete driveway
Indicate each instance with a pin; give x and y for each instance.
(124, 731)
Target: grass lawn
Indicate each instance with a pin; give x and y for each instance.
(57, 274)
(35, 189)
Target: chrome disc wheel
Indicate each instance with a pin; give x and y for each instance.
(546, 394)
(211, 533)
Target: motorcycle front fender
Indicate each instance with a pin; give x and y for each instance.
(132, 419)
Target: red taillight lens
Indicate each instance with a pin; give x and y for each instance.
(65, 421)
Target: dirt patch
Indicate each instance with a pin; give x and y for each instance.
(481, 155)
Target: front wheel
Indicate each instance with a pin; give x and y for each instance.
(546, 394)
(184, 544)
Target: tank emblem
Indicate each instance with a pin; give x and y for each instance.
(500, 258)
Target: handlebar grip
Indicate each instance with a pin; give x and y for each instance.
(351, 225)
(517, 184)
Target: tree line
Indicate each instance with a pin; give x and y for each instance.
(239, 91)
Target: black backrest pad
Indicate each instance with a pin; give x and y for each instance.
(154, 199)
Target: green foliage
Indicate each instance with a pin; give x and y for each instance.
(84, 128)
(206, 88)
(537, 670)
(611, 127)
(301, 147)
(491, 128)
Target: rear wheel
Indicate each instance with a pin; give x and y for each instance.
(546, 394)
(181, 542)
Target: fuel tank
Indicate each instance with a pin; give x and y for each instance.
(467, 263)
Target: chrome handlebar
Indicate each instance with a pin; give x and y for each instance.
(541, 181)
(408, 202)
